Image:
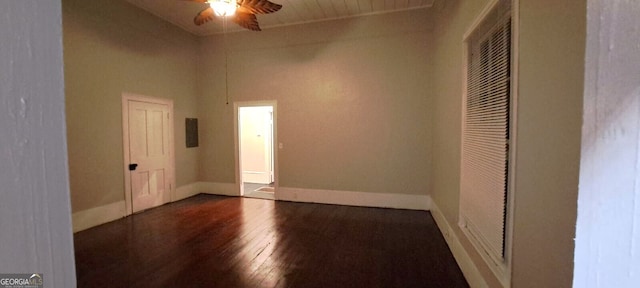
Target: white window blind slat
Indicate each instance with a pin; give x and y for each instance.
(485, 138)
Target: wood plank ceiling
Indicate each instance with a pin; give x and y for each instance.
(181, 13)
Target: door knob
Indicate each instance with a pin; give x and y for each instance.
(133, 166)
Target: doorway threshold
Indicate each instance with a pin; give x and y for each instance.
(260, 191)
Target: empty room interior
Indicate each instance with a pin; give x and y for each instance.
(363, 114)
(368, 113)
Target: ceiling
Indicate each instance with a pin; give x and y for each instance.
(181, 13)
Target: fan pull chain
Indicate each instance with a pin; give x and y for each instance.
(226, 69)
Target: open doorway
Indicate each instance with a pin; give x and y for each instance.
(255, 145)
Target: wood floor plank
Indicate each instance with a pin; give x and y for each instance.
(217, 241)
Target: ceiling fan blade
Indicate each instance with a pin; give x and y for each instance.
(258, 6)
(246, 20)
(204, 16)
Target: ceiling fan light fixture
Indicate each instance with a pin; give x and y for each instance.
(224, 7)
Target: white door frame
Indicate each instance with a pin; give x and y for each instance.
(236, 133)
(126, 97)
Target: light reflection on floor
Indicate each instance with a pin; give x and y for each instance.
(258, 257)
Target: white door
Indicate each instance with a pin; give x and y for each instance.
(256, 144)
(149, 156)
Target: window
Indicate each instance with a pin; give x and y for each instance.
(486, 135)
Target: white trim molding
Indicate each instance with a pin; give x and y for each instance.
(469, 269)
(92, 217)
(186, 191)
(353, 198)
(226, 189)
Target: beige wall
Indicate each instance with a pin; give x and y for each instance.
(353, 101)
(454, 18)
(111, 47)
(552, 36)
(552, 45)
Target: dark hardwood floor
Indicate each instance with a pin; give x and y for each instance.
(216, 241)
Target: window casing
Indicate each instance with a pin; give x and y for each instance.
(486, 137)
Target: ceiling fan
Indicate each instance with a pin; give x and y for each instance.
(242, 12)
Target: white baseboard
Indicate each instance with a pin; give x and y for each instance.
(352, 198)
(86, 219)
(469, 269)
(227, 189)
(186, 191)
(99, 215)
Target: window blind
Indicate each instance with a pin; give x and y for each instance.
(485, 138)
